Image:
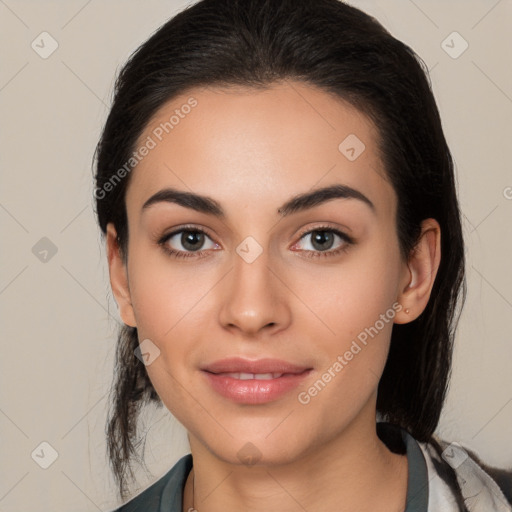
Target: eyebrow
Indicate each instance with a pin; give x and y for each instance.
(300, 202)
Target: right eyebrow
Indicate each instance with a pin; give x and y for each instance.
(202, 204)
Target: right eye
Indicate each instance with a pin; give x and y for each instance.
(191, 241)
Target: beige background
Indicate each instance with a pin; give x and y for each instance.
(58, 317)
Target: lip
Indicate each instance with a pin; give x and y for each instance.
(267, 365)
(251, 390)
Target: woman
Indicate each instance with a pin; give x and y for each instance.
(285, 248)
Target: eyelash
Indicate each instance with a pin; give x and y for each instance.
(204, 253)
(348, 241)
(183, 254)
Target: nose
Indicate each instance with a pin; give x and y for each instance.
(254, 297)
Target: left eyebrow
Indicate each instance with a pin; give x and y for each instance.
(321, 195)
(300, 202)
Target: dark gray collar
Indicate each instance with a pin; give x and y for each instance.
(417, 483)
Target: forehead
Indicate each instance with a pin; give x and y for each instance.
(258, 146)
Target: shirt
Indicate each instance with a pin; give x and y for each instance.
(427, 487)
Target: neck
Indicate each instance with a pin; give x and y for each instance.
(353, 471)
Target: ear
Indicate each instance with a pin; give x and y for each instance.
(419, 273)
(119, 277)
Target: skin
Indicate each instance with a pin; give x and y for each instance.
(252, 150)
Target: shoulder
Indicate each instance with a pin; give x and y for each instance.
(478, 486)
(502, 477)
(166, 490)
(454, 476)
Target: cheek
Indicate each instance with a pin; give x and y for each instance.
(164, 293)
(171, 302)
(357, 304)
(350, 296)
(354, 302)
(165, 303)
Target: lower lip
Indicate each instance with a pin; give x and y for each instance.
(254, 391)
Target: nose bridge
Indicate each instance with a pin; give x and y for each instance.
(253, 299)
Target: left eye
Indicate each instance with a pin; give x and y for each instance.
(323, 240)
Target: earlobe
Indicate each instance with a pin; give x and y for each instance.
(420, 273)
(119, 277)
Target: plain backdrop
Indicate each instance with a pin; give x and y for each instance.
(58, 317)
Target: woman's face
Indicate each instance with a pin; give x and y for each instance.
(314, 286)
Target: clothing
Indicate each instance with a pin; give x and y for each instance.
(429, 488)
(479, 491)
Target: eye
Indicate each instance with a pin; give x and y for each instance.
(321, 242)
(187, 243)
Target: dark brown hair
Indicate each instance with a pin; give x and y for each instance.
(334, 46)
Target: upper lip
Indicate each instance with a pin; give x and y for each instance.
(241, 365)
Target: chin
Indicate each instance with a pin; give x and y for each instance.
(254, 455)
(258, 450)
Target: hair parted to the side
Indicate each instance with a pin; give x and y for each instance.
(345, 52)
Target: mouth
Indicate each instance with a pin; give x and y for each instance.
(254, 382)
(255, 376)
